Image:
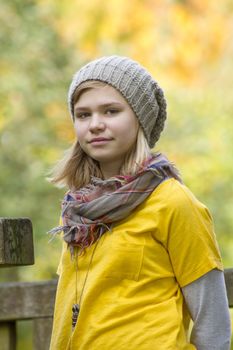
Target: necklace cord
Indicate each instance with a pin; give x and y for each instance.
(76, 306)
(76, 274)
(88, 270)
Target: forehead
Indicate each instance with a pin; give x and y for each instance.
(100, 94)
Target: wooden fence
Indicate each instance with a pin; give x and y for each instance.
(33, 300)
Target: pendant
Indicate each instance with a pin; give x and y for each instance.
(75, 312)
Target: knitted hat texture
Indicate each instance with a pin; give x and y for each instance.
(136, 85)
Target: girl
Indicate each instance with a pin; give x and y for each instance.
(140, 257)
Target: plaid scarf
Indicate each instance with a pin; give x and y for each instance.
(90, 211)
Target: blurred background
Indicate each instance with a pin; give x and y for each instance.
(186, 45)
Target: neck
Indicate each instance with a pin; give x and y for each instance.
(110, 169)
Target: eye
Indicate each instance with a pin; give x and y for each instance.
(82, 115)
(111, 111)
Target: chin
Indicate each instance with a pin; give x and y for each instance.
(105, 158)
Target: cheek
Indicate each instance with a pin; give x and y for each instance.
(129, 132)
(128, 135)
(80, 130)
(131, 136)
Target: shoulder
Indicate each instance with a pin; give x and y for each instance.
(172, 191)
(175, 197)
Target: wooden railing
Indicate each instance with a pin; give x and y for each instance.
(33, 300)
(26, 301)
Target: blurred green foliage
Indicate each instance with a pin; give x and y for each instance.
(187, 45)
(33, 68)
(41, 48)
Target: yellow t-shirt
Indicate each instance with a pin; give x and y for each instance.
(132, 297)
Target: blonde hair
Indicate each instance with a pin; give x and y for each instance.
(76, 168)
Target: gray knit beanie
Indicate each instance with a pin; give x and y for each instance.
(137, 86)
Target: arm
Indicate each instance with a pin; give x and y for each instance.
(207, 303)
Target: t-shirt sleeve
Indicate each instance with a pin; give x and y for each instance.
(191, 240)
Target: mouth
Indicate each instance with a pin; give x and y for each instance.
(99, 141)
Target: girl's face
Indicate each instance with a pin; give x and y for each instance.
(105, 125)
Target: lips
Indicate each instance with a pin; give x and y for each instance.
(99, 139)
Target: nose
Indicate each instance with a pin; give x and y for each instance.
(97, 123)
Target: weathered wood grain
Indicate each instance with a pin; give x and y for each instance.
(16, 242)
(42, 329)
(27, 300)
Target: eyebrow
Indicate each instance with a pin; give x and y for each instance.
(104, 105)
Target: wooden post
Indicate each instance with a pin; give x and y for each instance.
(16, 242)
(42, 330)
(16, 248)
